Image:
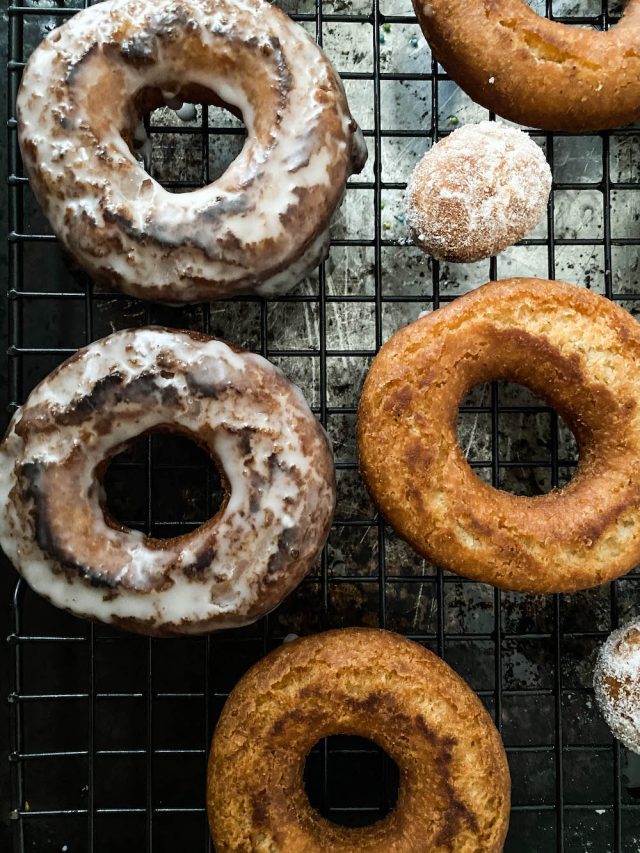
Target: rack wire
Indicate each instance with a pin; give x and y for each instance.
(110, 732)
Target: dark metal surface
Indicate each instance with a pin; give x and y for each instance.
(110, 732)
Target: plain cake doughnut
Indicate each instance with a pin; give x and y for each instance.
(534, 71)
(262, 225)
(578, 351)
(274, 458)
(454, 780)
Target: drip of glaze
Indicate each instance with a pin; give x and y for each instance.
(171, 100)
(290, 638)
(187, 112)
(142, 146)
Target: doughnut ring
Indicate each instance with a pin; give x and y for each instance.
(273, 456)
(263, 224)
(454, 779)
(575, 349)
(534, 71)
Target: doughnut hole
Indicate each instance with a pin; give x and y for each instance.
(578, 9)
(164, 485)
(359, 774)
(617, 684)
(507, 425)
(185, 140)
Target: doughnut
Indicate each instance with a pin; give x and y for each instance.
(476, 192)
(454, 780)
(260, 227)
(581, 354)
(534, 71)
(273, 456)
(616, 681)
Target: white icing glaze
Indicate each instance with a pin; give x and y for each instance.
(274, 454)
(252, 230)
(616, 683)
(476, 192)
(187, 112)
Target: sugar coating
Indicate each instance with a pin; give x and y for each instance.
(616, 682)
(259, 227)
(273, 453)
(477, 192)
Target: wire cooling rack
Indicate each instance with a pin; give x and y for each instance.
(110, 732)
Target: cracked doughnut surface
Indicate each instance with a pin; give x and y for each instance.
(274, 458)
(534, 71)
(578, 351)
(454, 794)
(262, 225)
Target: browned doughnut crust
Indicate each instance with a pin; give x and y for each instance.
(454, 780)
(578, 351)
(538, 72)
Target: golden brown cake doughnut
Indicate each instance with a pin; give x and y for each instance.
(578, 351)
(616, 681)
(274, 458)
(476, 192)
(258, 228)
(454, 780)
(537, 72)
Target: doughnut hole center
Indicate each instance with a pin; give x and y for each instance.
(514, 440)
(164, 485)
(577, 11)
(351, 781)
(185, 139)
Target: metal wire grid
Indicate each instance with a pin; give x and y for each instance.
(75, 684)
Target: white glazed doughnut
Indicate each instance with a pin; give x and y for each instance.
(264, 223)
(273, 454)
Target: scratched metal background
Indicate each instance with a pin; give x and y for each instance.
(109, 732)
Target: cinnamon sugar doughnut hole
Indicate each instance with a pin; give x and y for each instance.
(616, 682)
(476, 192)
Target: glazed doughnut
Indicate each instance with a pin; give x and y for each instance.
(575, 349)
(273, 456)
(534, 71)
(263, 224)
(454, 780)
(476, 192)
(616, 682)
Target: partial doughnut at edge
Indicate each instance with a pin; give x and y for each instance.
(454, 792)
(534, 71)
(616, 683)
